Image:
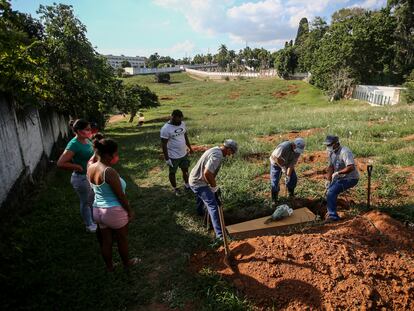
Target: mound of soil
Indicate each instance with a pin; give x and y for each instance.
(200, 148)
(363, 263)
(234, 95)
(292, 90)
(258, 157)
(289, 135)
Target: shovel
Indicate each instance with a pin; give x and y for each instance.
(228, 259)
(369, 171)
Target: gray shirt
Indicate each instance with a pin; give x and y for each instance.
(210, 160)
(284, 151)
(341, 159)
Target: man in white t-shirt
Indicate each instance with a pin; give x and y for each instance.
(174, 143)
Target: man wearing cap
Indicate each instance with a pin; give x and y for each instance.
(342, 173)
(283, 160)
(174, 143)
(203, 180)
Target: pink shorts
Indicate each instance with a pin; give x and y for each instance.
(114, 217)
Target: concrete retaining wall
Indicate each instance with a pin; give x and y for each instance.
(25, 138)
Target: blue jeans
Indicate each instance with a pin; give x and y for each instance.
(336, 187)
(275, 175)
(206, 197)
(86, 196)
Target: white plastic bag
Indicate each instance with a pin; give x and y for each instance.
(282, 211)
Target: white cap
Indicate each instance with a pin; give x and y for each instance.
(230, 143)
(300, 145)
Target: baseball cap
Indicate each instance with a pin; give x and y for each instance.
(230, 143)
(300, 145)
(331, 139)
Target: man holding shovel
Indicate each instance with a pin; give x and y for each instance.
(203, 181)
(342, 173)
(283, 160)
(174, 143)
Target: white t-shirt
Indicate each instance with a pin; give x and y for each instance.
(176, 145)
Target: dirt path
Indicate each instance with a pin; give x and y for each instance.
(363, 263)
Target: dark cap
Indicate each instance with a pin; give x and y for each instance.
(177, 113)
(331, 139)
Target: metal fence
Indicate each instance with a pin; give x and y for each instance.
(372, 97)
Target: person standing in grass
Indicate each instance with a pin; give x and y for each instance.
(75, 158)
(111, 209)
(283, 160)
(342, 173)
(203, 181)
(174, 143)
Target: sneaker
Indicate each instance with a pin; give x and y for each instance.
(177, 192)
(91, 228)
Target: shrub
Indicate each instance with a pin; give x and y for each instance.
(409, 91)
(162, 77)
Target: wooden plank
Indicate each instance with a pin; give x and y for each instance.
(265, 226)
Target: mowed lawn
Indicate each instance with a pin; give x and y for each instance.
(50, 263)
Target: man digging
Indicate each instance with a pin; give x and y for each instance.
(342, 173)
(203, 181)
(174, 143)
(283, 160)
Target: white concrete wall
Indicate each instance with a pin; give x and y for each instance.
(24, 138)
(214, 74)
(11, 164)
(142, 71)
(377, 95)
(28, 129)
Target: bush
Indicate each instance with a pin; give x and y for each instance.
(162, 77)
(409, 91)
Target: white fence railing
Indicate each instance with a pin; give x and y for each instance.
(377, 95)
(213, 74)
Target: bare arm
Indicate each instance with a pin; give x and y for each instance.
(112, 178)
(280, 162)
(65, 162)
(187, 142)
(209, 178)
(348, 169)
(164, 148)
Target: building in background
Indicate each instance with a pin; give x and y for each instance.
(116, 61)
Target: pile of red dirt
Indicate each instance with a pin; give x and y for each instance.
(234, 95)
(200, 148)
(292, 90)
(363, 263)
(257, 157)
(289, 135)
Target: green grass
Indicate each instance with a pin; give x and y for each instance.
(49, 263)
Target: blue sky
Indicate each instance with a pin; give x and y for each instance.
(180, 28)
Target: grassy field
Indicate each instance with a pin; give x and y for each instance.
(50, 263)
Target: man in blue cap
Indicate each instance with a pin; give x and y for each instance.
(283, 160)
(342, 173)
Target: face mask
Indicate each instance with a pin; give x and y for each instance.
(114, 160)
(329, 148)
(86, 133)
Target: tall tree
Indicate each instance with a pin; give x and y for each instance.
(403, 11)
(303, 31)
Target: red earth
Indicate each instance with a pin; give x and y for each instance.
(365, 263)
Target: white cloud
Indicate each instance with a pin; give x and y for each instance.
(252, 21)
(371, 4)
(177, 50)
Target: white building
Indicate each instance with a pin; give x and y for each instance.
(116, 61)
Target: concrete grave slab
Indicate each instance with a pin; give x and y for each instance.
(265, 225)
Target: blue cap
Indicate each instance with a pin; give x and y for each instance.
(331, 139)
